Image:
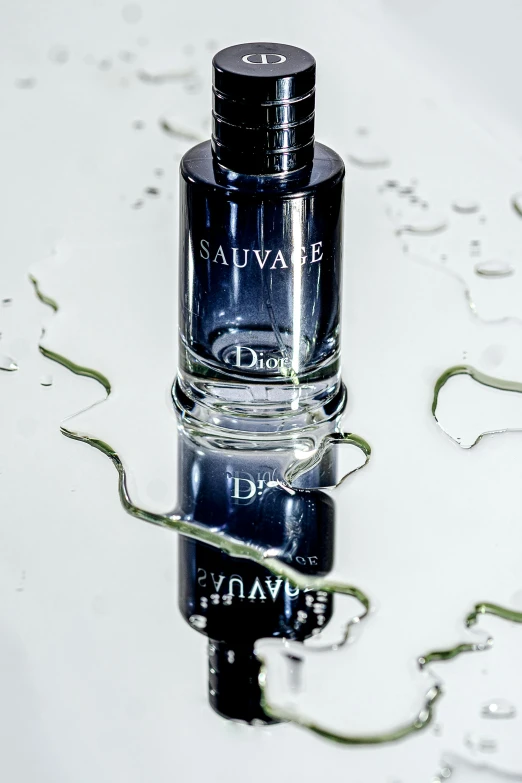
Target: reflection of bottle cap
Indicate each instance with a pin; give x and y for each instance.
(264, 99)
(234, 690)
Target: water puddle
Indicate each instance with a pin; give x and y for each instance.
(390, 608)
(134, 419)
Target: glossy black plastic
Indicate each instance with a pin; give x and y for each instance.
(263, 108)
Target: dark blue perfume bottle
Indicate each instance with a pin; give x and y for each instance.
(235, 601)
(260, 249)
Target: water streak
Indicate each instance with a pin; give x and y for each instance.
(184, 134)
(242, 549)
(479, 377)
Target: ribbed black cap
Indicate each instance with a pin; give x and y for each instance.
(263, 108)
(233, 683)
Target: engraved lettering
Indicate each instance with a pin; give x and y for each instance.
(279, 257)
(221, 254)
(257, 254)
(256, 588)
(273, 589)
(240, 256)
(204, 245)
(218, 582)
(236, 580)
(234, 258)
(317, 248)
(296, 257)
(202, 577)
(253, 357)
(250, 491)
(290, 590)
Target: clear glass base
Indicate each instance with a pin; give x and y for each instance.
(261, 406)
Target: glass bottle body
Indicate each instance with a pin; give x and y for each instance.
(260, 287)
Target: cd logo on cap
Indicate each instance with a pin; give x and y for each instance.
(264, 59)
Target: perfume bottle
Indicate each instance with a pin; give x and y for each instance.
(260, 250)
(235, 601)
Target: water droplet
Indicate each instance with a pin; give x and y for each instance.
(138, 204)
(132, 13)
(493, 355)
(159, 172)
(152, 191)
(138, 124)
(166, 76)
(105, 65)
(474, 247)
(193, 85)
(424, 224)
(406, 190)
(465, 206)
(488, 745)
(391, 183)
(362, 130)
(25, 84)
(198, 621)
(499, 708)
(493, 269)
(368, 158)
(7, 364)
(46, 380)
(180, 133)
(516, 203)
(7, 302)
(58, 54)
(126, 56)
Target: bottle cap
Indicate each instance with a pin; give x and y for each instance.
(263, 108)
(234, 691)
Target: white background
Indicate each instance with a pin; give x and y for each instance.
(100, 678)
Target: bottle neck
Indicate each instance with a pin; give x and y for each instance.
(263, 161)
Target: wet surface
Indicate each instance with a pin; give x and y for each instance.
(427, 553)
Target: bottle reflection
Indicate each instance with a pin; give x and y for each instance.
(234, 601)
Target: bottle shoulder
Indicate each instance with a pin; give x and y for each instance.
(198, 168)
